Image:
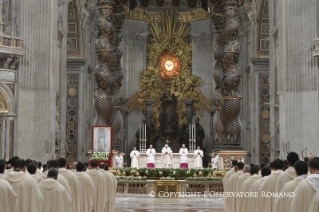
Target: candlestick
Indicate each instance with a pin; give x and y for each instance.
(145, 131)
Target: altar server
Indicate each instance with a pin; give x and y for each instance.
(266, 204)
(284, 203)
(56, 198)
(73, 182)
(198, 155)
(87, 188)
(151, 160)
(100, 196)
(135, 158)
(306, 189)
(30, 198)
(247, 185)
(290, 173)
(167, 156)
(183, 153)
(119, 160)
(215, 161)
(231, 187)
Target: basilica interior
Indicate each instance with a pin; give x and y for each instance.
(242, 73)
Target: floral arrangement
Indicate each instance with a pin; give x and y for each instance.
(167, 178)
(99, 156)
(203, 179)
(130, 178)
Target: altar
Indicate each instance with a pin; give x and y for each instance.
(159, 164)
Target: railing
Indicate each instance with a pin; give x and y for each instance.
(11, 44)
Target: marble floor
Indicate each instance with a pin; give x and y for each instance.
(143, 203)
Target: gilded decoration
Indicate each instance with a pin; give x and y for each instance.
(169, 71)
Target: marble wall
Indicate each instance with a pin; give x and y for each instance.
(294, 75)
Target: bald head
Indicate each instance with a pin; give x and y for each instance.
(74, 165)
(246, 169)
(311, 157)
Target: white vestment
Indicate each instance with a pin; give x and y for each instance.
(266, 204)
(167, 156)
(231, 187)
(119, 161)
(215, 162)
(56, 198)
(183, 153)
(225, 182)
(61, 180)
(26, 187)
(240, 181)
(246, 187)
(314, 205)
(135, 159)
(281, 203)
(75, 187)
(288, 175)
(100, 190)
(253, 202)
(8, 198)
(198, 161)
(151, 153)
(304, 193)
(87, 191)
(114, 188)
(2, 176)
(110, 191)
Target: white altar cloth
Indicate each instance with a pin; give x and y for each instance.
(159, 164)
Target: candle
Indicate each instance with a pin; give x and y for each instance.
(189, 131)
(145, 131)
(140, 132)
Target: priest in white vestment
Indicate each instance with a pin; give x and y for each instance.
(231, 187)
(167, 156)
(151, 160)
(183, 153)
(56, 198)
(282, 203)
(306, 189)
(61, 179)
(198, 161)
(226, 178)
(100, 196)
(32, 169)
(240, 181)
(26, 187)
(110, 188)
(266, 204)
(119, 160)
(247, 185)
(74, 183)
(215, 161)
(290, 173)
(135, 158)
(114, 184)
(8, 198)
(252, 203)
(87, 188)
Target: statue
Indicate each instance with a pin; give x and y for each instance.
(200, 133)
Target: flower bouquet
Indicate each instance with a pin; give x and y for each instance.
(100, 156)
